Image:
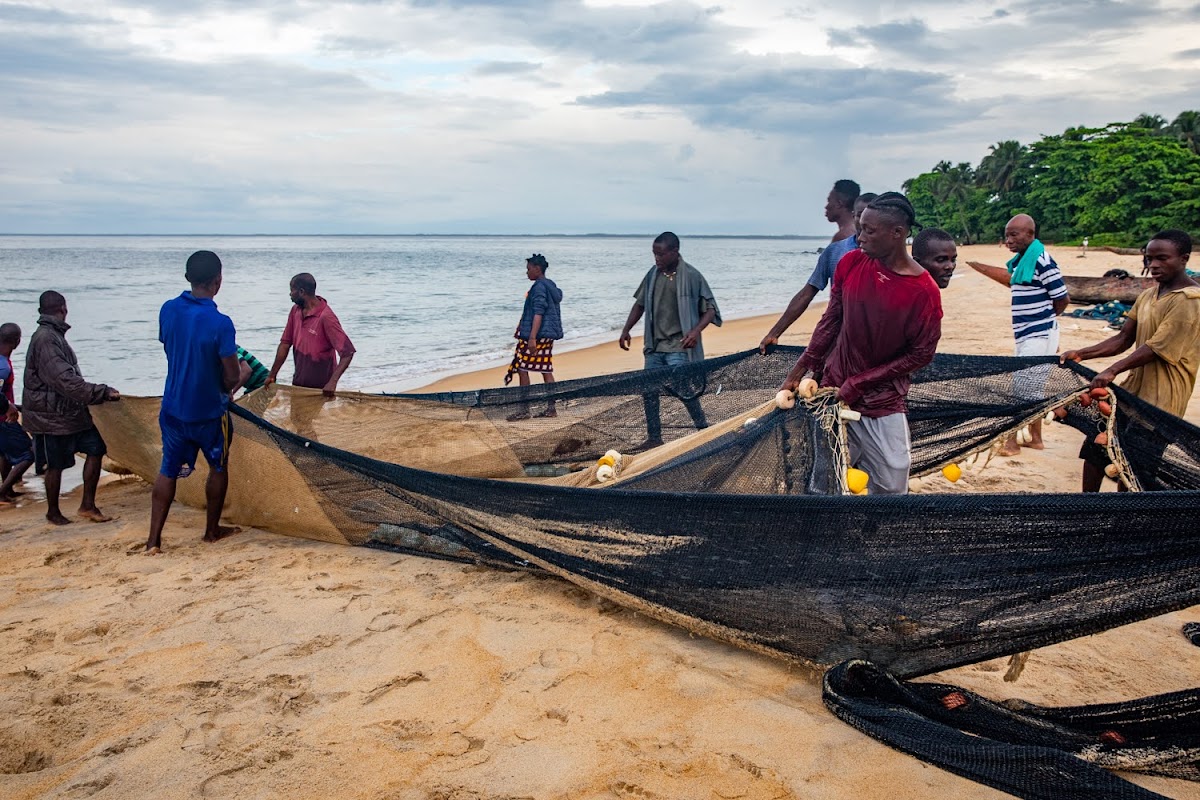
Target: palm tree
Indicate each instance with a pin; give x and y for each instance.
(956, 185)
(999, 171)
(1151, 122)
(1186, 128)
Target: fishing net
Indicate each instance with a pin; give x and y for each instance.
(1024, 749)
(740, 530)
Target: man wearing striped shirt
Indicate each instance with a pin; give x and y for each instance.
(252, 373)
(1038, 297)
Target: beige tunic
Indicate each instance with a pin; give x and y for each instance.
(1170, 326)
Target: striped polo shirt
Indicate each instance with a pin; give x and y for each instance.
(258, 373)
(1033, 303)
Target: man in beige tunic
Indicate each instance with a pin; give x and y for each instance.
(1164, 328)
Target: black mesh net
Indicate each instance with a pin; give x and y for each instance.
(1026, 750)
(737, 527)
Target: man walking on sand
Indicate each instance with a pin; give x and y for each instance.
(845, 192)
(202, 371)
(54, 410)
(1038, 297)
(678, 305)
(882, 323)
(322, 349)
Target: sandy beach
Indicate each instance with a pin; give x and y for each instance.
(267, 666)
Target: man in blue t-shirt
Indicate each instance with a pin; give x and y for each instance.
(822, 274)
(202, 369)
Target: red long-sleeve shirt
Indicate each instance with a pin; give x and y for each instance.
(878, 329)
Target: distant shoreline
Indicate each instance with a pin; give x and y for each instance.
(784, 236)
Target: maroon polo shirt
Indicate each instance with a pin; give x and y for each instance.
(317, 339)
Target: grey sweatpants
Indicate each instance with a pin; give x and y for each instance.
(880, 447)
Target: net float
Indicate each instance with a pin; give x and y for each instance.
(785, 399)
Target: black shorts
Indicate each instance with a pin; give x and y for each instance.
(15, 445)
(58, 452)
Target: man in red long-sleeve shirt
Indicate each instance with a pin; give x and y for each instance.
(882, 324)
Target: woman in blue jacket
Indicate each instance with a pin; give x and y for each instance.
(541, 325)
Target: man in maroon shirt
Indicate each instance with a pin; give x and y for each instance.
(882, 323)
(323, 350)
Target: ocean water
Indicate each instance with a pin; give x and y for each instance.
(416, 307)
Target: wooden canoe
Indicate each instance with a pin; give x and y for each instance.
(1088, 291)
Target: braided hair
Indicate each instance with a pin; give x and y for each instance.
(897, 207)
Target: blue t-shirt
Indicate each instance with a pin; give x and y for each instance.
(828, 260)
(195, 336)
(1033, 302)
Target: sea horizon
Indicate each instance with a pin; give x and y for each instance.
(780, 236)
(417, 307)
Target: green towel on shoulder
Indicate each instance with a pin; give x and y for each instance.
(1022, 267)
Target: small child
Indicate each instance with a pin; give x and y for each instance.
(540, 326)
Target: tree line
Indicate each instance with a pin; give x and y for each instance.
(1117, 185)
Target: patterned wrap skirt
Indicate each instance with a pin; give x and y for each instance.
(542, 359)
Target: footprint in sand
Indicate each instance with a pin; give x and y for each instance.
(88, 788)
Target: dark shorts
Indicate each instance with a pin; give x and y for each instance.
(15, 444)
(181, 441)
(51, 451)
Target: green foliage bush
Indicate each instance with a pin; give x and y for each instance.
(1116, 185)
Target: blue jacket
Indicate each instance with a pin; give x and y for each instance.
(543, 298)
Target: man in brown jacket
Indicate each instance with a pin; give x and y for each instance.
(54, 409)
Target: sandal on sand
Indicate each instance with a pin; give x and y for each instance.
(1192, 631)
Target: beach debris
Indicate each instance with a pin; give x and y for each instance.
(1016, 665)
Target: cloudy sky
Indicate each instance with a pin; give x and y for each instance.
(540, 116)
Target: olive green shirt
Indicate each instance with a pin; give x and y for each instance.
(1170, 326)
(667, 335)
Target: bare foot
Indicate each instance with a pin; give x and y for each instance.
(223, 531)
(1010, 448)
(152, 551)
(1035, 445)
(57, 518)
(94, 514)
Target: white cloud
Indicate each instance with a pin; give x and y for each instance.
(540, 115)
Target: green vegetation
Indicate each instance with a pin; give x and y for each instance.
(1117, 184)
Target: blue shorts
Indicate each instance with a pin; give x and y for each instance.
(182, 440)
(15, 444)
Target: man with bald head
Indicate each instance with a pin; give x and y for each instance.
(1038, 297)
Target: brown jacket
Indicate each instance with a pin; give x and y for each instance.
(56, 396)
